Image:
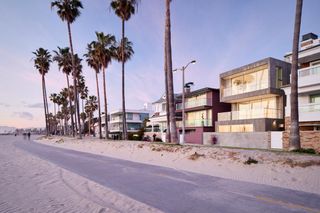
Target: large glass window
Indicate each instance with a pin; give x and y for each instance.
(315, 98)
(129, 116)
(252, 80)
(236, 128)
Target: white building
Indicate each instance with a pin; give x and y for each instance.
(134, 118)
(308, 83)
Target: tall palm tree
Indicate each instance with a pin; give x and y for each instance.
(42, 64)
(168, 57)
(63, 58)
(105, 46)
(93, 62)
(54, 98)
(91, 106)
(124, 9)
(69, 11)
(77, 71)
(294, 129)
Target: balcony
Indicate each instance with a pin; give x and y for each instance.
(309, 76)
(243, 88)
(195, 103)
(309, 112)
(196, 123)
(250, 114)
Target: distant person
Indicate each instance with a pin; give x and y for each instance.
(154, 137)
(29, 134)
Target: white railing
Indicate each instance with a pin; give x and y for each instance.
(195, 103)
(314, 70)
(310, 108)
(243, 88)
(195, 123)
(250, 114)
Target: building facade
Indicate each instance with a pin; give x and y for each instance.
(157, 124)
(201, 110)
(135, 119)
(308, 84)
(256, 98)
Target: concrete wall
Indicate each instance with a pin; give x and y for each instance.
(259, 140)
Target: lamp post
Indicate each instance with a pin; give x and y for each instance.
(183, 98)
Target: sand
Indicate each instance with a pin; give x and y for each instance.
(29, 184)
(289, 170)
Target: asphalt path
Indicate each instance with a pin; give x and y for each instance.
(171, 190)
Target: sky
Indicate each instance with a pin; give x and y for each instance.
(219, 34)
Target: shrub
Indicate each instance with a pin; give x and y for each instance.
(250, 161)
(309, 151)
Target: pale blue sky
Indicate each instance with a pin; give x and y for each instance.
(219, 34)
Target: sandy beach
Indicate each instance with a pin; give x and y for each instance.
(289, 170)
(29, 184)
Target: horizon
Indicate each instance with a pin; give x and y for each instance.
(220, 36)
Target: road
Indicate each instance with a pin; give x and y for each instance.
(172, 190)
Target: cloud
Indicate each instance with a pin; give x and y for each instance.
(4, 104)
(23, 115)
(36, 105)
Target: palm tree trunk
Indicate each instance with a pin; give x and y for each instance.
(46, 101)
(70, 104)
(124, 118)
(105, 103)
(44, 106)
(294, 129)
(173, 127)
(168, 138)
(76, 99)
(90, 124)
(99, 107)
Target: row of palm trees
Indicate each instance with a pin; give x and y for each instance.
(99, 55)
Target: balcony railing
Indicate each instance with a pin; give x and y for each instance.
(310, 108)
(195, 123)
(243, 88)
(195, 103)
(250, 114)
(314, 70)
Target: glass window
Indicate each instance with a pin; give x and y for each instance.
(129, 116)
(315, 98)
(279, 82)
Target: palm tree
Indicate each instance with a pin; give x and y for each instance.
(42, 64)
(93, 62)
(91, 106)
(78, 71)
(168, 58)
(63, 58)
(69, 10)
(294, 129)
(54, 98)
(124, 9)
(105, 46)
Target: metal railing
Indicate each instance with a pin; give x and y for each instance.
(195, 103)
(310, 108)
(196, 123)
(250, 114)
(314, 70)
(243, 88)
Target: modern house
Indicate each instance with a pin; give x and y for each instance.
(256, 98)
(134, 118)
(308, 91)
(157, 124)
(308, 83)
(201, 110)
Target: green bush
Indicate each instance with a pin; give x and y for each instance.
(309, 151)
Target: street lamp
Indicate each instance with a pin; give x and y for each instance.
(183, 98)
